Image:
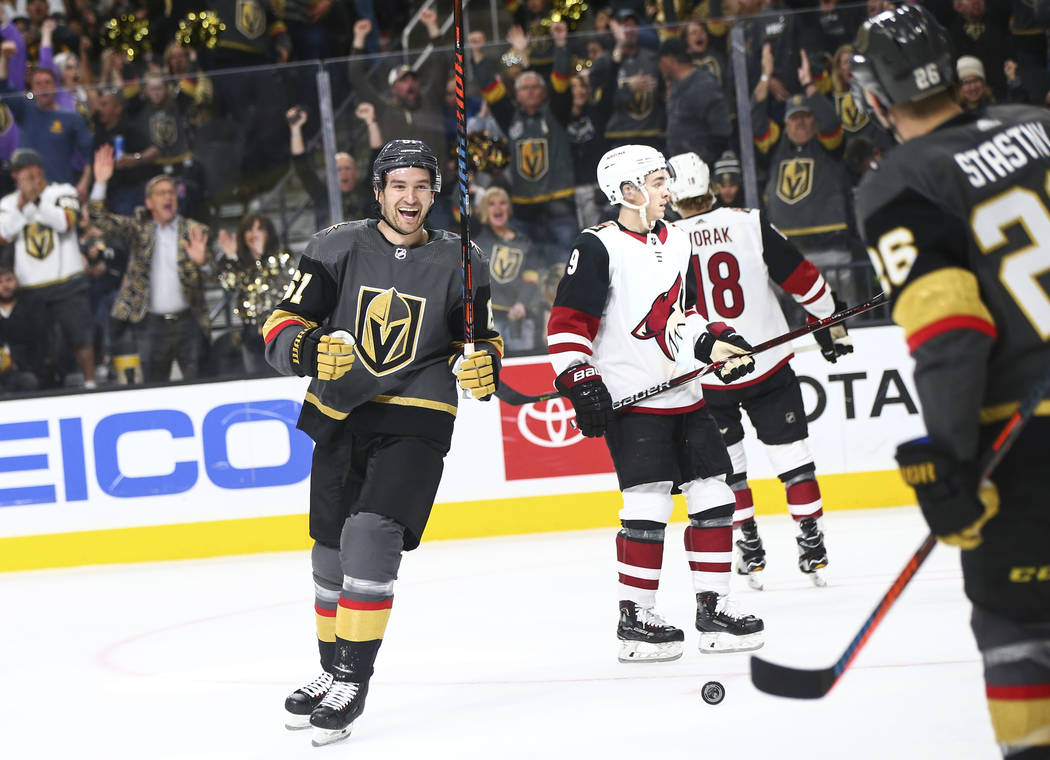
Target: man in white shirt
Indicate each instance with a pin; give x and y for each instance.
(162, 294)
(41, 220)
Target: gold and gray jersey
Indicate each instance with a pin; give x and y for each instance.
(404, 307)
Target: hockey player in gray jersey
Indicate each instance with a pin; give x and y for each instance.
(374, 315)
(739, 257)
(624, 318)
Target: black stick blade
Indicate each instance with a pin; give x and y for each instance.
(795, 683)
(517, 398)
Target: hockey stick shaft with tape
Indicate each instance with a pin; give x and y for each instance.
(516, 398)
(802, 683)
(464, 188)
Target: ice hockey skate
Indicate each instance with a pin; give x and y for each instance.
(812, 556)
(751, 555)
(333, 718)
(301, 702)
(646, 637)
(722, 629)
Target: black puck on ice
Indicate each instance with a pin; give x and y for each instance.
(712, 692)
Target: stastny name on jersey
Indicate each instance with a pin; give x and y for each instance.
(1002, 155)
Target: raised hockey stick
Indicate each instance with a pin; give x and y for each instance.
(464, 189)
(511, 396)
(802, 683)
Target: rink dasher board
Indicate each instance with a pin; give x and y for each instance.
(219, 468)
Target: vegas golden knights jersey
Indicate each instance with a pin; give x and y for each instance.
(958, 227)
(405, 308)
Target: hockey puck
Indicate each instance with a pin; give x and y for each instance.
(712, 692)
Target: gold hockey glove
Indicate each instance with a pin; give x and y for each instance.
(947, 492)
(326, 353)
(478, 373)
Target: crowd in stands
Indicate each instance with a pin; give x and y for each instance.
(132, 234)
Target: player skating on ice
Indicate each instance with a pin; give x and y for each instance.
(957, 223)
(380, 410)
(739, 255)
(625, 319)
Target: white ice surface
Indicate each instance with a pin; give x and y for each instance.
(496, 648)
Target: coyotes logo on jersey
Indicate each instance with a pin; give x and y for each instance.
(665, 321)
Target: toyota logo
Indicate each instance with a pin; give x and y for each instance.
(553, 430)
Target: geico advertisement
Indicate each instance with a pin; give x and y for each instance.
(228, 450)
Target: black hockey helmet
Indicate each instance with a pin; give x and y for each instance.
(398, 154)
(901, 55)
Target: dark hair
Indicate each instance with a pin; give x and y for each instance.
(674, 47)
(245, 257)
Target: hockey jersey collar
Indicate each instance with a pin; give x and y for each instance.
(659, 230)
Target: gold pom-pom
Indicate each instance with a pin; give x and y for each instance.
(487, 153)
(127, 35)
(569, 11)
(200, 30)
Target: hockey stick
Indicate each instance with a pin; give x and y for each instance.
(464, 190)
(801, 683)
(516, 398)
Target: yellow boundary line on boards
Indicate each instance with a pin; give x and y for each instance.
(469, 519)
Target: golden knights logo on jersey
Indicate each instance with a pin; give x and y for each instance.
(533, 158)
(163, 130)
(40, 240)
(795, 179)
(388, 325)
(251, 18)
(505, 263)
(665, 320)
(853, 119)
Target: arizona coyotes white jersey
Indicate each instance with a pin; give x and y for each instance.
(627, 305)
(44, 234)
(739, 256)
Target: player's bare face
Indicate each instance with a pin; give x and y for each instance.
(659, 189)
(406, 199)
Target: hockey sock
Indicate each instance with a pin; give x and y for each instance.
(803, 493)
(709, 549)
(639, 558)
(324, 615)
(360, 623)
(745, 502)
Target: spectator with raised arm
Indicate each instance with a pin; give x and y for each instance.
(256, 272)
(72, 74)
(40, 219)
(160, 314)
(56, 135)
(639, 115)
(411, 107)
(133, 161)
(806, 194)
(592, 91)
(542, 179)
(354, 198)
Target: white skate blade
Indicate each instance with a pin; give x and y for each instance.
(323, 736)
(643, 651)
(724, 643)
(295, 722)
(754, 580)
(817, 576)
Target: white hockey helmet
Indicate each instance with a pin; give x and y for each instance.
(692, 178)
(629, 164)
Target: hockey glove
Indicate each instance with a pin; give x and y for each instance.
(583, 385)
(834, 341)
(722, 344)
(947, 492)
(326, 353)
(478, 374)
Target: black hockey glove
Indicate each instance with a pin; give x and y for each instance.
(947, 492)
(834, 341)
(721, 343)
(326, 353)
(478, 374)
(583, 385)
